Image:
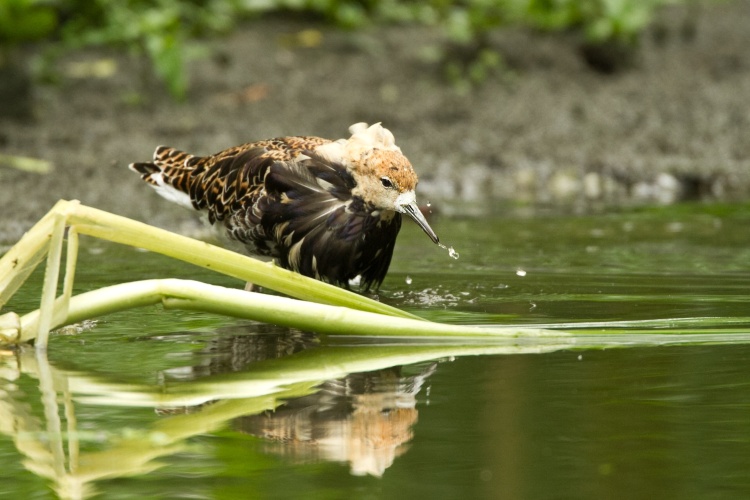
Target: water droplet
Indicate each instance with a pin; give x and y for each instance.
(451, 251)
(408, 280)
(429, 204)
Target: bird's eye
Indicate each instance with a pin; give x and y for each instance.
(387, 183)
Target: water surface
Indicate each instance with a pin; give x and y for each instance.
(168, 404)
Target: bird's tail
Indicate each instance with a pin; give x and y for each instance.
(169, 173)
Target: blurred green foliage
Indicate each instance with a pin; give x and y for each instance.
(600, 20)
(163, 29)
(22, 20)
(160, 29)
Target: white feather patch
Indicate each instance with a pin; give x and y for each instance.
(170, 193)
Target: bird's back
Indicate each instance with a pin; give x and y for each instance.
(224, 182)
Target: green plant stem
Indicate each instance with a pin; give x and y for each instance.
(119, 229)
(322, 318)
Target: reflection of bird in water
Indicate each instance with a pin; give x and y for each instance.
(364, 419)
(330, 210)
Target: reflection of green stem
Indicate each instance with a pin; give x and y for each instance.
(274, 377)
(311, 367)
(262, 386)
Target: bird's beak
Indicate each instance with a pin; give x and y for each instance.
(412, 210)
(407, 204)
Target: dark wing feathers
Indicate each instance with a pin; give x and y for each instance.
(326, 233)
(280, 199)
(340, 180)
(348, 252)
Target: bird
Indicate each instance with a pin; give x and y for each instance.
(327, 209)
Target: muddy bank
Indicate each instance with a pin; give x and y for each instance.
(673, 127)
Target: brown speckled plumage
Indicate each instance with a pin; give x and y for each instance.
(328, 210)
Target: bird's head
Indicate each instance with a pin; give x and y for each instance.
(385, 178)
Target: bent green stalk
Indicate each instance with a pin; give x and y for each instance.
(119, 229)
(47, 238)
(283, 311)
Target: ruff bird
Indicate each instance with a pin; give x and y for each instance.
(330, 210)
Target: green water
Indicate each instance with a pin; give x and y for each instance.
(169, 404)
